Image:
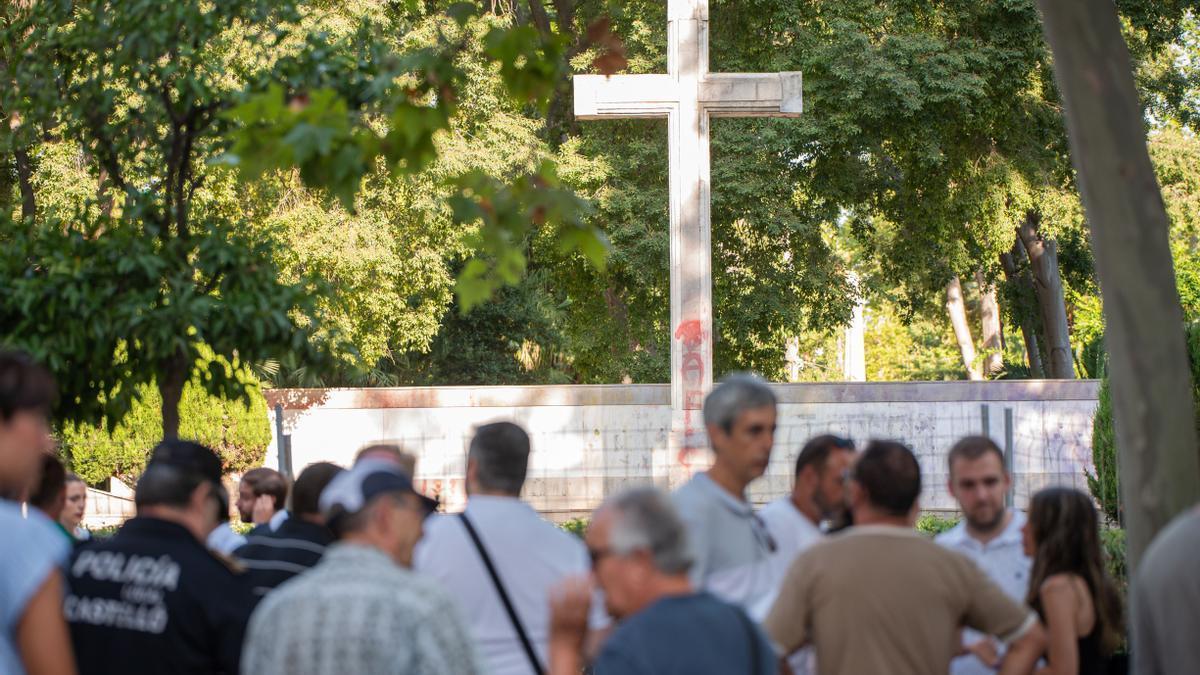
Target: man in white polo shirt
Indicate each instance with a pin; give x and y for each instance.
(730, 543)
(989, 534)
(794, 521)
(818, 494)
(499, 558)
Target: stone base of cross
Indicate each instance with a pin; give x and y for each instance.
(689, 97)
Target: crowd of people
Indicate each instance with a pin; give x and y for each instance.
(352, 570)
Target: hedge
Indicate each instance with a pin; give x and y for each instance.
(240, 432)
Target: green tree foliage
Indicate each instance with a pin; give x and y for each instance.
(514, 339)
(129, 289)
(169, 257)
(1176, 155)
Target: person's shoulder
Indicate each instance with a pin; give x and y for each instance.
(692, 488)
(38, 535)
(693, 498)
(552, 535)
(953, 536)
(1173, 552)
(776, 509)
(441, 543)
(422, 597)
(419, 590)
(622, 653)
(1060, 584)
(437, 526)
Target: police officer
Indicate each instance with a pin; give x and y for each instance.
(153, 599)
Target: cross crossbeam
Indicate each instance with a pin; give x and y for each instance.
(722, 95)
(689, 96)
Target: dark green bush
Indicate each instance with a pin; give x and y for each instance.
(1103, 483)
(239, 432)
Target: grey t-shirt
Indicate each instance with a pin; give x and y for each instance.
(731, 545)
(1166, 601)
(687, 635)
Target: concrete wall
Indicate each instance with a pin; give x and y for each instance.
(591, 440)
(105, 509)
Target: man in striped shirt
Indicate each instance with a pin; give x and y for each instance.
(272, 558)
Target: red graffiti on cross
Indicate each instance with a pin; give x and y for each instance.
(691, 368)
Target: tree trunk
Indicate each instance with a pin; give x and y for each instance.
(962, 329)
(25, 181)
(103, 196)
(1148, 361)
(173, 375)
(1043, 261)
(989, 310)
(1022, 281)
(6, 185)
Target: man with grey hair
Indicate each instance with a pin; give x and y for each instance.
(499, 558)
(731, 545)
(640, 559)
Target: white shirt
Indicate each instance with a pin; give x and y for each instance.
(530, 554)
(793, 533)
(224, 540)
(277, 519)
(1003, 559)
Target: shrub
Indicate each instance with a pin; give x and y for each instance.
(1112, 540)
(239, 432)
(1103, 483)
(576, 526)
(931, 524)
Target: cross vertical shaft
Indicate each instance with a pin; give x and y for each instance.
(689, 96)
(691, 235)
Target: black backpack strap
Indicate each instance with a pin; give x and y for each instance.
(508, 606)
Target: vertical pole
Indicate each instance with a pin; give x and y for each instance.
(987, 427)
(282, 451)
(1008, 453)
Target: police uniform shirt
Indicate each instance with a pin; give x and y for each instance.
(153, 599)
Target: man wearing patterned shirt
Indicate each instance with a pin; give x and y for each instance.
(362, 609)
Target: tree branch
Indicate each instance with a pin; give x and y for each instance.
(540, 19)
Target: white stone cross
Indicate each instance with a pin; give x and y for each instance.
(689, 96)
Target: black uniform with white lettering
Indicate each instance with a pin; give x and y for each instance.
(153, 599)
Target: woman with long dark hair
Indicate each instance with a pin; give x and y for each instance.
(1068, 585)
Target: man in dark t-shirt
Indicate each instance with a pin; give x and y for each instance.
(640, 557)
